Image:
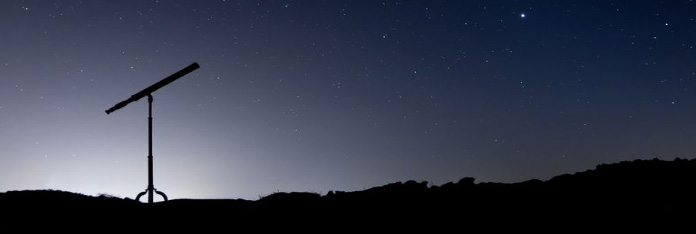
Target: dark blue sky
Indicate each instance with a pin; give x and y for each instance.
(338, 95)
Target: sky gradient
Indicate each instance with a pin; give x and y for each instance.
(338, 95)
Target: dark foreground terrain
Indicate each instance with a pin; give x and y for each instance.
(641, 192)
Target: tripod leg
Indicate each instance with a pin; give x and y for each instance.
(140, 195)
(162, 194)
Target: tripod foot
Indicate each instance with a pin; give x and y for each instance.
(156, 191)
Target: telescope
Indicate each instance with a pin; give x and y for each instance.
(137, 96)
(149, 90)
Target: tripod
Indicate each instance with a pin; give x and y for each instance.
(150, 186)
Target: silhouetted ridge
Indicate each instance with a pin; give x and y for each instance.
(640, 190)
(56, 197)
(290, 198)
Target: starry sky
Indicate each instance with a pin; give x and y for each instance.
(338, 94)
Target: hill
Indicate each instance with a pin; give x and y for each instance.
(636, 191)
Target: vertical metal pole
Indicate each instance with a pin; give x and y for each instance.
(150, 186)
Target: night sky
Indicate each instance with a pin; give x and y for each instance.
(338, 94)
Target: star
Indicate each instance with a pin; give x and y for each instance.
(523, 15)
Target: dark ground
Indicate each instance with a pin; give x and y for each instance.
(633, 194)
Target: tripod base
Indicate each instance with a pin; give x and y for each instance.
(156, 191)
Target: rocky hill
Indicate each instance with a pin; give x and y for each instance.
(635, 192)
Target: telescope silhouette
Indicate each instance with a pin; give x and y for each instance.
(147, 91)
(137, 96)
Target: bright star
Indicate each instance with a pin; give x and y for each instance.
(523, 15)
